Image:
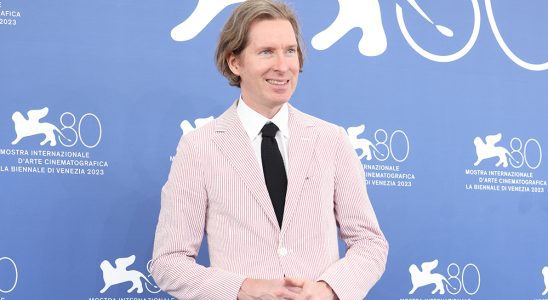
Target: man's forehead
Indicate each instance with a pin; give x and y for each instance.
(272, 32)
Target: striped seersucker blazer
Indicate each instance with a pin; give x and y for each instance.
(216, 185)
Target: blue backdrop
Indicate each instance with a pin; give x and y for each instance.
(445, 102)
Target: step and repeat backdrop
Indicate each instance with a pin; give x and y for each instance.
(444, 101)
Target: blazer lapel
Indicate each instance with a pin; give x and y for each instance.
(301, 145)
(232, 140)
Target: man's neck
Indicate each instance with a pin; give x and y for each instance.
(266, 111)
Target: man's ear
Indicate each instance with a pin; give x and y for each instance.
(233, 62)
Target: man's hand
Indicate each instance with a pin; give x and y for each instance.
(312, 290)
(260, 289)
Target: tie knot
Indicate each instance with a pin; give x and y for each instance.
(269, 130)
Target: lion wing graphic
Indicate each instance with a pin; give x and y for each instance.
(429, 266)
(491, 140)
(35, 115)
(124, 262)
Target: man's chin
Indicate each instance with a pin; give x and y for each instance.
(281, 98)
(280, 101)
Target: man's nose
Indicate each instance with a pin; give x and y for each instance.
(281, 63)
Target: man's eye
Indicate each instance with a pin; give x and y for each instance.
(292, 50)
(266, 52)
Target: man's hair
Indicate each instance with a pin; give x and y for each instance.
(234, 36)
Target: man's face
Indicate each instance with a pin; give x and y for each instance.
(268, 66)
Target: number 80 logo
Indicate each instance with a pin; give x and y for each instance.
(386, 146)
(68, 121)
(456, 277)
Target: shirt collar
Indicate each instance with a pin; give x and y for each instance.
(253, 121)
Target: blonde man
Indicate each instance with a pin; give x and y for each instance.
(270, 186)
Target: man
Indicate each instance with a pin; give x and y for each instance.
(269, 185)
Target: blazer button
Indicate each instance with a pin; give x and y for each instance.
(282, 251)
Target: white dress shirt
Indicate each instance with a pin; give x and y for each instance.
(253, 123)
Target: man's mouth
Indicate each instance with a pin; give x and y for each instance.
(277, 82)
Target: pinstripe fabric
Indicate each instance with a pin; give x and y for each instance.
(216, 185)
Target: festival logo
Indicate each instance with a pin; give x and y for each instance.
(367, 16)
(425, 277)
(8, 271)
(32, 126)
(457, 281)
(488, 150)
(506, 166)
(383, 156)
(42, 146)
(362, 145)
(117, 279)
(69, 134)
(120, 274)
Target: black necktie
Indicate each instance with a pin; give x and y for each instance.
(274, 170)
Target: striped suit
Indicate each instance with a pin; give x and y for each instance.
(216, 185)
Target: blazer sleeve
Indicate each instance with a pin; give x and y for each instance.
(179, 235)
(354, 275)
